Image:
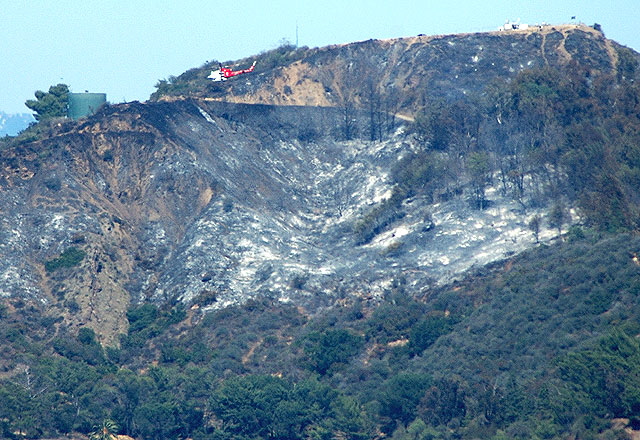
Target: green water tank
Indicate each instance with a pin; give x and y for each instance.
(85, 104)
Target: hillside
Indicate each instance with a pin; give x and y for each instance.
(388, 224)
(542, 346)
(172, 202)
(282, 202)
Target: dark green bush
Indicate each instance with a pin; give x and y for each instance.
(71, 257)
(330, 348)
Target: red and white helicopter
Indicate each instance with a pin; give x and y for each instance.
(224, 73)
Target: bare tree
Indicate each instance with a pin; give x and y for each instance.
(348, 104)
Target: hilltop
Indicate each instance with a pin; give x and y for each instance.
(399, 75)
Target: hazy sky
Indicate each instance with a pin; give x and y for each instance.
(123, 48)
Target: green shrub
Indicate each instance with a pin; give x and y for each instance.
(332, 347)
(71, 257)
(426, 332)
(142, 317)
(379, 217)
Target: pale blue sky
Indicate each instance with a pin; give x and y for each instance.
(123, 48)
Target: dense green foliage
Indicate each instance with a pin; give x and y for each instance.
(51, 104)
(542, 346)
(261, 406)
(330, 348)
(72, 256)
(605, 379)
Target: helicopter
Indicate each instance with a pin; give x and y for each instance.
(224, 73)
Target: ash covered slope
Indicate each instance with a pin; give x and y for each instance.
(214, 203)
(116, 187)
(129, 187)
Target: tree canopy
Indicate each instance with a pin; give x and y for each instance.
(51, 104)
